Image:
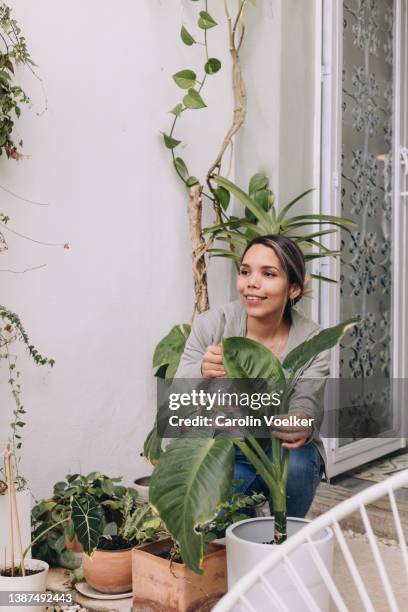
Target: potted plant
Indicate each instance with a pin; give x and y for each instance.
(162, 581)
(17, 573)
(109, 568)
(194, 474)
(59, 544)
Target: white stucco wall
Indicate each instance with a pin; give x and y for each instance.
(96, 156)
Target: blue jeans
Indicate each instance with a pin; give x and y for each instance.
(305, 472)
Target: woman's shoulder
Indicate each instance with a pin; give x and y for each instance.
(229, 315)
(303, 326)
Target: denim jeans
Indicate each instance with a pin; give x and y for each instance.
(304, 474)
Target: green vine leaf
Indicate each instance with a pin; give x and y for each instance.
(181, 167)
(185, 78)
(212, 66)
(177, 110)
(223, 196)
(170, 142)
(193, 100)
(192, 180)
(205, 21)
(186, 37)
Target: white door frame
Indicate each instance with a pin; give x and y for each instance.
(329, 66)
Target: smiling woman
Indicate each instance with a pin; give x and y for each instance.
(270, 282)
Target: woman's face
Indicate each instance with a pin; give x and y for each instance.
(262, 283)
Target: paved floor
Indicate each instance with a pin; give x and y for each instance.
(361, 551)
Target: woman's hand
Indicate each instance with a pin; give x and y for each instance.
(212, 365)
(293, 436)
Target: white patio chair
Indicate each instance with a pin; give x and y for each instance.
(238, 598)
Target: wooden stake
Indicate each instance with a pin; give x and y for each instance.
(15, 508)
(7, 454)
(4, 557)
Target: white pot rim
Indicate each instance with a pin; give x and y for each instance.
(28, 564)
(328, 533)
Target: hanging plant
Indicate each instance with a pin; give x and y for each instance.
(12, 96)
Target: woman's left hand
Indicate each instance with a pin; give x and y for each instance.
(293, 436)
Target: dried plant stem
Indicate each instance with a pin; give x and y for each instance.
(198, 244)
(4, 557)
(198, 247)
(13, 509)
(240, 98)
(10, 505)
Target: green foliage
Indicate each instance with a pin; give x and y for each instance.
(89, 506)
(171, 143)
(205, 21)
(186, 37)
(12, 96)
(12, 330)
(185, 78)
(194, 475)
(193, 100)
(169, 350)
(261, 217)
(212, 66)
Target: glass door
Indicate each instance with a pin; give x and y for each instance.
(361, 141)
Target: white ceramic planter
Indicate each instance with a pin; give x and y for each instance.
(23, 499)
(245, 549)
(142, 487)
(36, 582)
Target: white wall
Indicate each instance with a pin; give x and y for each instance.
(96, 156)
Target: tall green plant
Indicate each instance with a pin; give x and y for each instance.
(194, 475)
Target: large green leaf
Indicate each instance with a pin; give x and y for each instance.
(169, 350)
(322, 341)
(193, 476)
(245, 358)
(89, 523)
(244, 198)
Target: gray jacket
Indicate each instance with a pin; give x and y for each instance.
(230, 320)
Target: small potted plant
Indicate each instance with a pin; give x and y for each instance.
(162, 581)
(109, 568)
(194, 474)
(19, 574)
(59, 545)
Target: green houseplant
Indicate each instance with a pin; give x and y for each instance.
(194, 474)
(54, 535)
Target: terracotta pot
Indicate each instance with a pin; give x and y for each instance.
(109, 571)
(157, 588)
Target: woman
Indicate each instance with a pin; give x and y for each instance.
(270, 282)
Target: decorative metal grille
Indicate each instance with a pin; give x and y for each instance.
(365, 282)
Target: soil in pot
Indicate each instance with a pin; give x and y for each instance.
(159, 584)
(116, 543)
(18, 573)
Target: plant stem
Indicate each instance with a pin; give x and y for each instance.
(42, 534)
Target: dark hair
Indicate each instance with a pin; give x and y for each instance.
(291, 259)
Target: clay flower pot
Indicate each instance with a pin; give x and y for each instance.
(109, 571)
(156, 586)
(142, 487)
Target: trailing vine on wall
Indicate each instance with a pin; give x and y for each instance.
(14, 52)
